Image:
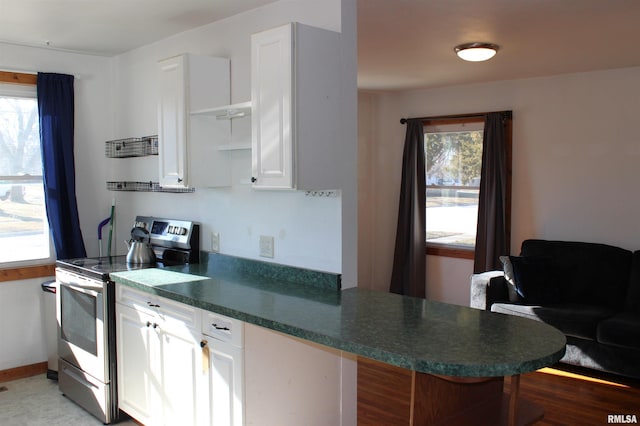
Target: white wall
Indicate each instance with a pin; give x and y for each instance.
(281, 389)
(307, 230)
(22, 327)
(575, 156)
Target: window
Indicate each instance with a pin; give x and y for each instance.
(453, 156)
(24, 230)
(453, 162)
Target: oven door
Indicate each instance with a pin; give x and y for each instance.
(81, 316)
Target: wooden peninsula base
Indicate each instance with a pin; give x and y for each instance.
(392, 395)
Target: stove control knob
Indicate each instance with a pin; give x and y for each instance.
(183, 231)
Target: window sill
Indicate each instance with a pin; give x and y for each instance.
(27, 272)
(450, 251)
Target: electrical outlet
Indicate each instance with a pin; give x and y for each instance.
(215, 242)
(266, 246)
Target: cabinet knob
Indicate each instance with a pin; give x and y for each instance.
(203, 344)
(148, 323)
(253, 179)
(179, 180)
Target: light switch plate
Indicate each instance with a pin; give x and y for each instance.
(266, 246)
(215, 242)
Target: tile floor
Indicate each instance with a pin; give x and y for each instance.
(37, 401)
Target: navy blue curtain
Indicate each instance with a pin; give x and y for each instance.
(55, 107)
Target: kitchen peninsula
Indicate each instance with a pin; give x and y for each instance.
(457, 353)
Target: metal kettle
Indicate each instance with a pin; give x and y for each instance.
(140, 250)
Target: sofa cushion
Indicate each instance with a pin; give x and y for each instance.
(591, 273)
(507, 269)
(572, 319)
(622, 330)
(535, 279)
(633, 294)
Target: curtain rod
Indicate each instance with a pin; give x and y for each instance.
(505, 114)
(34, 73)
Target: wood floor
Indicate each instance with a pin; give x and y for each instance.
(568, 396)
(572, 398)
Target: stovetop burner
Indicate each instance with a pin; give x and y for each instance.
(101, 267)
(174, 242)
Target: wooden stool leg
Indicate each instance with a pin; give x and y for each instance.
(513, 399)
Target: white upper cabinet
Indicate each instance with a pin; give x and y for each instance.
(185, 148)
(295, 122)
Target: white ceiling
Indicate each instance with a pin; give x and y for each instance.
(409, 43)
(402, 44)
(108, 27)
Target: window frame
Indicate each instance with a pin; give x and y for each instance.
(451, 250)
(34, 268)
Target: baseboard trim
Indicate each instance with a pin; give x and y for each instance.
(23, 371)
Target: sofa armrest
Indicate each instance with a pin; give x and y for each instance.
(479, 295)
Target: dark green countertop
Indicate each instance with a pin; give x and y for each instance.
(417, 334)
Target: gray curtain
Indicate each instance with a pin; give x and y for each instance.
(408, 276)
(491, 236)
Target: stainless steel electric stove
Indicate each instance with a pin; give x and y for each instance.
(86, 313)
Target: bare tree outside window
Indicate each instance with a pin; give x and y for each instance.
(453, 164)
(24, 230)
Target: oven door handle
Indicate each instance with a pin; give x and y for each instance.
(84, 290)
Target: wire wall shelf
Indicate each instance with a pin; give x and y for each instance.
(132, 147)
(145, 187)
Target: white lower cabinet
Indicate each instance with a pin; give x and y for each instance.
(169, 370)
(158, 366)
(225, 383)
(180, 360)
(137, 363)
(223, 343)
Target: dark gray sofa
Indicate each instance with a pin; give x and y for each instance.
(589, 291)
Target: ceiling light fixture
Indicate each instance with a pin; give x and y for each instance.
(476, 52)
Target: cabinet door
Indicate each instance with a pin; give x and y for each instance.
(225, 381)
(172, 123)
(296, 98)
(138, 383)
(181, 360)
(272, 116)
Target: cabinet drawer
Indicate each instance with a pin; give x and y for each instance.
(162, 309)
(176, 313)
(136, 299)
(223, 328)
